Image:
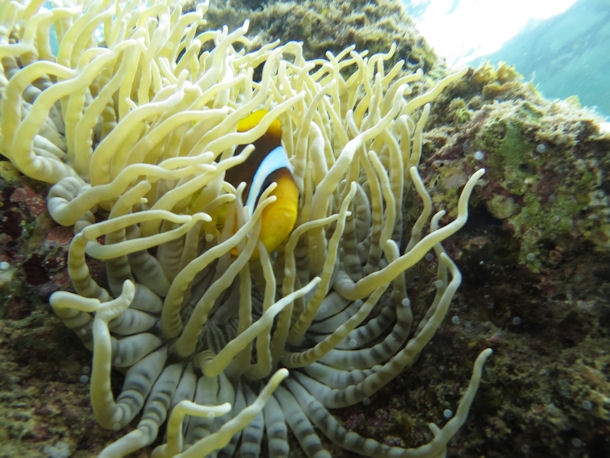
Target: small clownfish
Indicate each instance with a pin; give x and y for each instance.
(268, 163)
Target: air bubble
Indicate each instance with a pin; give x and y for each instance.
(576, 442)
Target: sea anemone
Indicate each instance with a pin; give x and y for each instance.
(136, 115)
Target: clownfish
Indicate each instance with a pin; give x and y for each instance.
(267, 164)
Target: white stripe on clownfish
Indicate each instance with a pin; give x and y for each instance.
(275, 160)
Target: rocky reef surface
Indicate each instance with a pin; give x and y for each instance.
(535, 258)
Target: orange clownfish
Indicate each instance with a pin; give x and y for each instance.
(268, 163)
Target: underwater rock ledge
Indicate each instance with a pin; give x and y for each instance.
(534, 257)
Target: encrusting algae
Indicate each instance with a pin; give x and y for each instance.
(138, 119)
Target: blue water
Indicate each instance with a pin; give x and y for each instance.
(564, 55)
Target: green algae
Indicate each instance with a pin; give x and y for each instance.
(544, 162)
(325, 26)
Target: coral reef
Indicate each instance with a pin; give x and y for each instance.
(332, 26)
(535, 257)
(548, 164)
(44, 391)
(539, 297)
